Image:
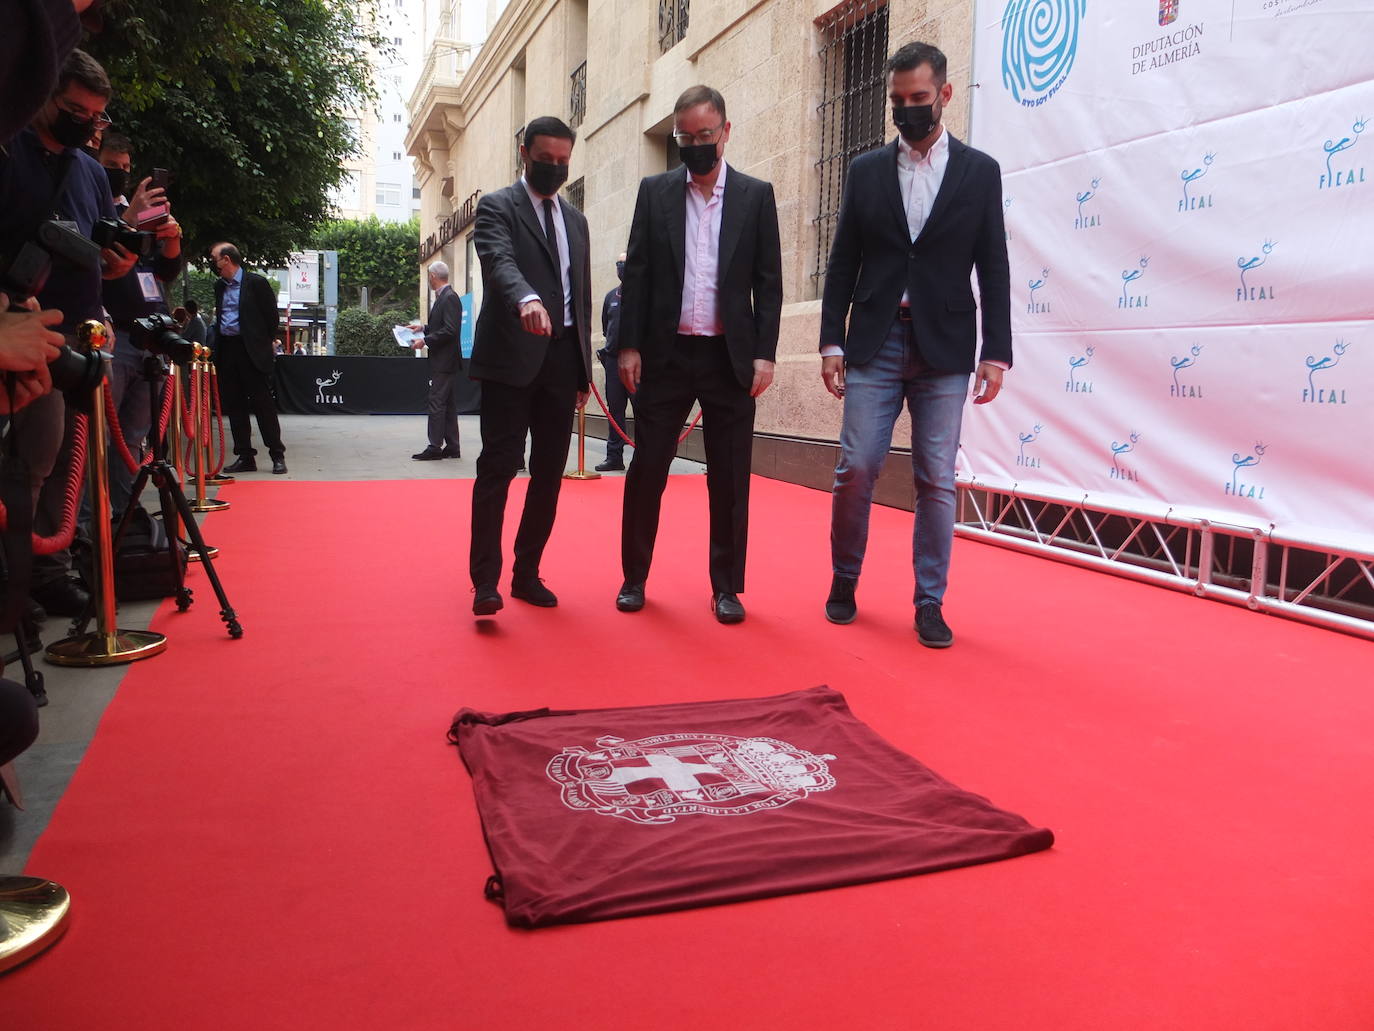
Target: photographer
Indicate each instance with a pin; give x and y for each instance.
(134, 296)
(53, 193)
(39, 34)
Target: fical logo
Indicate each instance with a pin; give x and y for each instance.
(1315, 395)
(1084, 219)
(1119, 471)
(1192, 201)
(1236, 488)
(1168, 12)
(1248, 291)
(1129, 276)
(1074, 385)
(1022, 459)
(322, 398)
(1034, 307)
(1039, 44)
(1349, 175)
(1179, 364)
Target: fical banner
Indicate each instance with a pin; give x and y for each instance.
(1189, 194)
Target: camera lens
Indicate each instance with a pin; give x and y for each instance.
(74, 372)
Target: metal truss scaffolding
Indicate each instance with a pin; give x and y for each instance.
(1249, 566)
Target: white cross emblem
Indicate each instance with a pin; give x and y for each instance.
(675, 774)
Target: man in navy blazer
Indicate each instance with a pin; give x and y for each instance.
(532, 352)
(699, 317)
(442, 335)
(918, 217)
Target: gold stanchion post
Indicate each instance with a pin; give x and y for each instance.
(199, 399)
(33, 915)
(107, 645)
(582, 472)
(219, 479)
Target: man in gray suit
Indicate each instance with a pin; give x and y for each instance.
(532, 354)
(441, 336)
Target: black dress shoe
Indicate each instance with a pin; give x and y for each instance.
(840, 607)
(630, 598)
(727, 608)
(279, 466)
(62, 597)
(449, 452)
(246, 464)
(534, 592)
(611, 466)
(429, 454)
(487, 600)
(931, 628)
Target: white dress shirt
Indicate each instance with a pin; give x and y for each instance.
(561, 233)
(700, 312)
(919, 179)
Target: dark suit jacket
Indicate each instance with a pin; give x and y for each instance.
(257, 317)
(749, 278)
(516, 262)
(610, 324)
(443, 332)
(873, 259)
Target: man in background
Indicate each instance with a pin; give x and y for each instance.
(442, 337)
(245, 325)
(617, 397)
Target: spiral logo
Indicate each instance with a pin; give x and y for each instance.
(1039, 42)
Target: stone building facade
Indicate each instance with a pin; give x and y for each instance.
(804, 93)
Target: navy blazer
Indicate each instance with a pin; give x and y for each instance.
(873, 260)
(516, 262)
(443, 333)
(749, 274)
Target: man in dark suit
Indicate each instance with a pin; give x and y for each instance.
(532, 353)
(617, 397)
(245, 326)
(698, 322)
(918, 217)
(445, 363)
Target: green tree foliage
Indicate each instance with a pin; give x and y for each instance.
(245, 102)
(380, 256)
(358, 332)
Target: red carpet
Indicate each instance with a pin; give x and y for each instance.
(273, 833)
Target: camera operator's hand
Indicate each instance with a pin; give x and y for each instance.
(169, 238)
(115, 262)
(26, 344)
(28, 386)
(144, 197)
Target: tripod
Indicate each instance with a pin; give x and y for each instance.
(173, 504)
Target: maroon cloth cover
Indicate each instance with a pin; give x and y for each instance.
(608, 813)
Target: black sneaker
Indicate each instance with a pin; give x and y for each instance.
(931, 627)
(840, 607)
(429, 454)
(611, 465)
(534, 592)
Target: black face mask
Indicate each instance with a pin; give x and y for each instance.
(915, 123)
(119, 182)
(619, 270)
(69, 130)
(700, 158)
(545, 177)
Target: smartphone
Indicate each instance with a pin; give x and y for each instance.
(153, 217)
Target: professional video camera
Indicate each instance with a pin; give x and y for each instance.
(110, 231)
(160, 334)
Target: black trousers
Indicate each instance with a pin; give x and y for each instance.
(701, 372)
(544, 411)
(244, 389)
(617, 399)
(443, 409)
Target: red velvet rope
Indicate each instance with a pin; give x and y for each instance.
(164, 417)
(117, 433)
(616, 426)
(189, 418)
(71, 495)
(219, 423)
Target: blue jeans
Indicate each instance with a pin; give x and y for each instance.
(873, 397)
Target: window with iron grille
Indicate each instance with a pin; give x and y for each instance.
(672, 23)
(577, 96)
(853, 106)
(576, 192)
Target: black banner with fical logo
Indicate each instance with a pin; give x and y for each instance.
(324, 385)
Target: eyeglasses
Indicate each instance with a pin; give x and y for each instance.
(686, 139)
(100, 118)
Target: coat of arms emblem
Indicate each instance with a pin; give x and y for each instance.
(656, 779)
(1168, 12)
